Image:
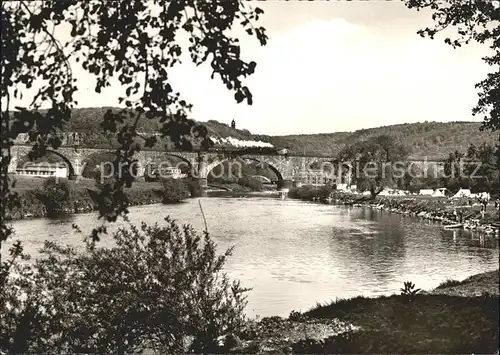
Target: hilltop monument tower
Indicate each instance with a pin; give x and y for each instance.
(233, 124)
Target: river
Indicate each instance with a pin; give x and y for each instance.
(294, 254)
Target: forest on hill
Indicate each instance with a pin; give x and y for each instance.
(434, 140)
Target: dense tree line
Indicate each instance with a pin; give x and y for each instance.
(381, 162)
(375, 163)
(476, 169)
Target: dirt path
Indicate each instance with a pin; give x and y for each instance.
(276, 335)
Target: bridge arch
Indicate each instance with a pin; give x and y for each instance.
(268, 164)
(71, 170)
(184, 159)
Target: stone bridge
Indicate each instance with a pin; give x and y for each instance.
(199, 163)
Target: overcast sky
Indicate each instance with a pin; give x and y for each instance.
(334, 66)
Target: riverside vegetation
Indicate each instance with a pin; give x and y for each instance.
(40, 197)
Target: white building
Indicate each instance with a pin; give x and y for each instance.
(171, 172)
(314, 177)
(43, 170)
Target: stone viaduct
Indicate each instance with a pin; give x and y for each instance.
(199, 163)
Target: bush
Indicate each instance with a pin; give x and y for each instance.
(57, 196)
(159, 288)
(174, 190)
(194, 187)
(308, 192)
(25, 203)
(250, 182)
(92, 167)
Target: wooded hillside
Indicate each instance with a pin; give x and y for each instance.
(434, 140)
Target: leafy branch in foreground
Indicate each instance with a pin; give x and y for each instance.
(158, 288)
(474, 20)
(134, 43)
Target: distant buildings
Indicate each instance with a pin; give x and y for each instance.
(170, 172)
(43, 170)
(314, 177)
(166, 172)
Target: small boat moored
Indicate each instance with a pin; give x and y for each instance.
(454, 226)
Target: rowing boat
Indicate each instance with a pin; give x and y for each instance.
(454, 226)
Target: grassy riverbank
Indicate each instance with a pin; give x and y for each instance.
(141, 193)
(30, 206)
(475, 285)
(437, 209)
(438, 321)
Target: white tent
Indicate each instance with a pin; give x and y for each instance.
(427, 192)
(386, 192)
(462, 193)
(438, 193)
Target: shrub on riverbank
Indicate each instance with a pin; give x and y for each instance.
(252, 183)
(29, 205)
(309, 192)
(160, 288)
(174, 190)
(56, 196)
(194, 187)
(26, 204)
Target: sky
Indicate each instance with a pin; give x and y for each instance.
(330, 67)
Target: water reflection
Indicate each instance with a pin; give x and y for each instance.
(374, 250)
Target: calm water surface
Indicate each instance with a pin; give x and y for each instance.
(295, 254)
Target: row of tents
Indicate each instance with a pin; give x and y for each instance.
(462, 193)
(439, 192)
